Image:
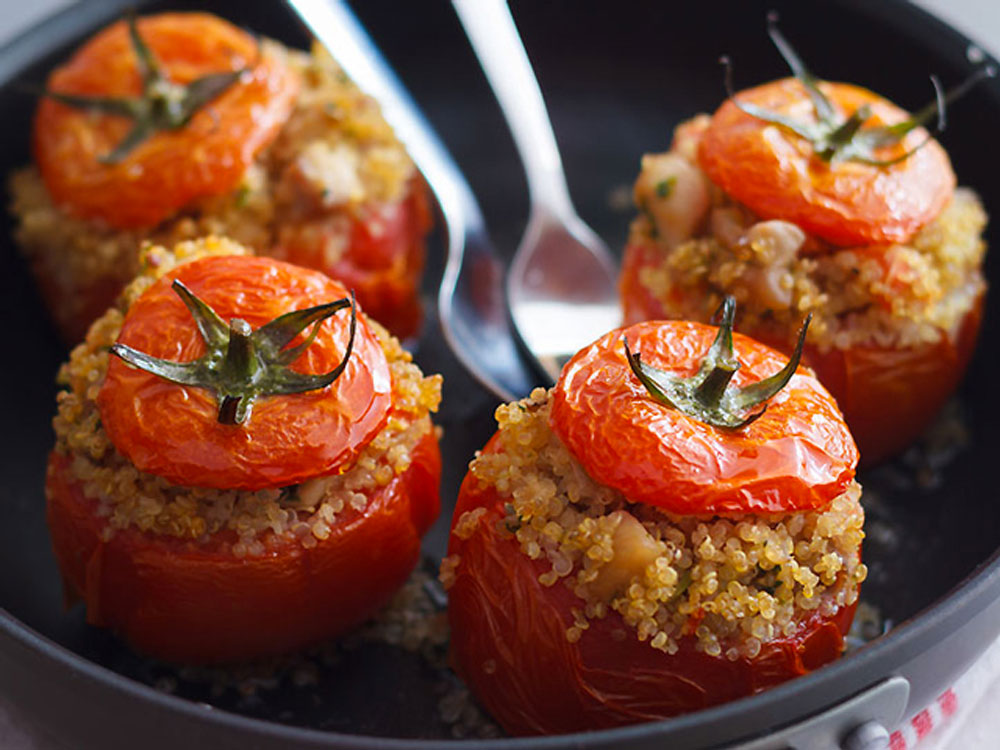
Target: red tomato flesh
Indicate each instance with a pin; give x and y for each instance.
(508, 642)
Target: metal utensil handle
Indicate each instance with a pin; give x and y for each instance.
(473, 315)
(498, 46)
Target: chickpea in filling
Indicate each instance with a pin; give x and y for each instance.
(733, 582)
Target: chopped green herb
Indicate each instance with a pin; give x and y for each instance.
(665, 187)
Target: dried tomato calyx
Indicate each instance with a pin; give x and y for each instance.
(836, 138)
(707, 395)
(162, 105)
(240, 364)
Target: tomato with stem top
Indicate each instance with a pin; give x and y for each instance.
(245, 376)
(701, 425)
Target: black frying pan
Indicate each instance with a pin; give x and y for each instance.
(617, 76)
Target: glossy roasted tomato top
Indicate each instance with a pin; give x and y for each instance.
(799, 455)
(165, 173)
(776, 173)
(172, 430)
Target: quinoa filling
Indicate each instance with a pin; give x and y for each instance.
(734, 582)
(334, 157)
(304, 513)
(702, 245)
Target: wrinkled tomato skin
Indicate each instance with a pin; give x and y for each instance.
(798, 456)
(383, 261)
(508, 643)
(888, 395)
(777, 175)
(170, 170)
(195, 602)
(172, 430)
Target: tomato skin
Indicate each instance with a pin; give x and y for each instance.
(776, 174)
(195, 602)
(508, 643)
(799, 455)
(888, 395)
(172, 430)
(383, 261)
(162, 175)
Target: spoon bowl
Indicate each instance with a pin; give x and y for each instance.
(561, 287)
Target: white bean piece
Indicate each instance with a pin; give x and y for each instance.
(674, 195)
(778, 241)
(775, 244)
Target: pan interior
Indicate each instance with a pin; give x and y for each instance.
(617, 78)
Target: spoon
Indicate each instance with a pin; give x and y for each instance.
(561, 284)
(471, 303)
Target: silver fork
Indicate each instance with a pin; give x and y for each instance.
(561, 284)
(471, 302)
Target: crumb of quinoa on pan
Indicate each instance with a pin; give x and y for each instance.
(335, 137)
(736, 582)
(127, 497)
(414, 621)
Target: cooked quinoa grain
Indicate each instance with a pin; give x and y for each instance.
(304, 513)
(734, 582)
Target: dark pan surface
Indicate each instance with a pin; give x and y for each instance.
(618, 77)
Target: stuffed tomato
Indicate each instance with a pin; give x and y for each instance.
(244, 463)
(645, 539)
(803, 196)
(178, 125)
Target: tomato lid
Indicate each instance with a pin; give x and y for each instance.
(174, 431)
(797, 455)
(203, 152)
(777, 174)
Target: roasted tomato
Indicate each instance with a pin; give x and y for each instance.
(609, 563)
(169, 168)
(253, 547)
(509, 644)
(181, 125)
(805, 196)
(778, 174)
